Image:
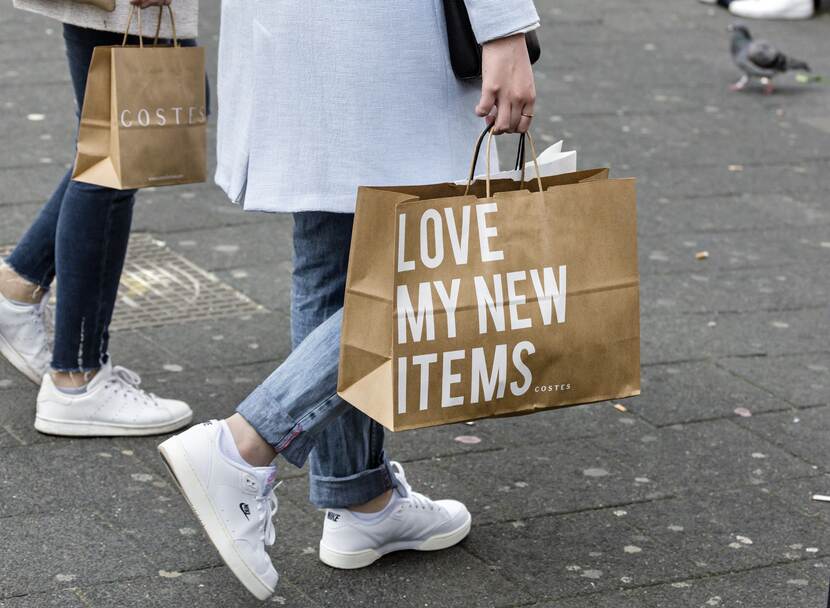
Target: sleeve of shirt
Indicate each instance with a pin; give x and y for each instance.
(492, 19)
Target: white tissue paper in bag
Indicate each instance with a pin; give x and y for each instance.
(553, 161)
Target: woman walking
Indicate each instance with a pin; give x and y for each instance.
(80, 238)
(315, 100)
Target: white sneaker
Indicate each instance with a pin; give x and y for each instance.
(773, 9)
(412, 522)
(234, 503)
(112, 404)
(25, 337)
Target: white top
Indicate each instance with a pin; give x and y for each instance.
(317, 98)
(186, 13)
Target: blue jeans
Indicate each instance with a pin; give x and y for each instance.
(297, 409)
(81, 237)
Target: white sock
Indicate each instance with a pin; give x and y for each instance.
(71, 390)
(377, 515)
(228, 447)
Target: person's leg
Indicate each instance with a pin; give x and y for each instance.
(225, 471)
(80, 238)
(348, 467)
(90, 246)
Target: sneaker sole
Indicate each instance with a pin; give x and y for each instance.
(80, 428)
(17, 361)
(178, 465)
(360, 559)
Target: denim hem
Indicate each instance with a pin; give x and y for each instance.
(75, 370)
(80, 369)
(295, 444)
(36, 282)
(344, 492)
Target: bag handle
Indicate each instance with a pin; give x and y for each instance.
(158, 26)
(488, 132)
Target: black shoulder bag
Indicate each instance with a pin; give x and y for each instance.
(465, 52)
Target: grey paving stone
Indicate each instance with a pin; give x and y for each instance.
(800, 585)
(266, 242)
(49, 552)
(16, 219)
(452, 578)
(801, 379)
(746, 213)
(166, 213)
(669, 143)
(672, 338)
(704, 456)
(131, 348)
(29, 184)
(710, 291)
(248, 339)
(267, 284)
(10, 378)
(798, 493)
(761, 249)
(577, 553)
(558, 477)
(93, 474)
(803, 432)
(210, 587)
(688, 392)
(733, 530)
(17, 417)
(65, 598)
(539, 428)
(762, 179)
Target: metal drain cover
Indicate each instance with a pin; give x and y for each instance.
(160, 287)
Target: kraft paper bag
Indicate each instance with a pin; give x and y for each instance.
(470, 306)
(143, 122)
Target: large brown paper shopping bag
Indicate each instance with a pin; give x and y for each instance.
(143, 122)
(469, 306)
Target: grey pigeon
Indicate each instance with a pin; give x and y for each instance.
(759, 59)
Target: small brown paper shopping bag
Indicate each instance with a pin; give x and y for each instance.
(494, 302)
(144, 118)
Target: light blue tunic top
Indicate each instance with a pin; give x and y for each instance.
(316, 98)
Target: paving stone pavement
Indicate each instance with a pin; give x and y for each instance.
(698, 495)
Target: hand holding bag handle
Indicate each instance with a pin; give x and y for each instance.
(520, 160)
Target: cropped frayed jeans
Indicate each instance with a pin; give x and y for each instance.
(297, 409)
(81, 236)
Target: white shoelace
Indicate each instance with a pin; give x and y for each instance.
(417, 500)
(129, 381)
(267, 507)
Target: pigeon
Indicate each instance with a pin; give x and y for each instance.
(759, 59)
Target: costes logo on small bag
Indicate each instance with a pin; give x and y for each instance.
(130, 118)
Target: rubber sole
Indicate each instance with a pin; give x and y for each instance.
(17, 361)
(178, 465)
(351, 560)
(80, 428)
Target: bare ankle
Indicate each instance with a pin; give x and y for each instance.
(374, 505)
(73, 379)
(252, 447)
(16, 288)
